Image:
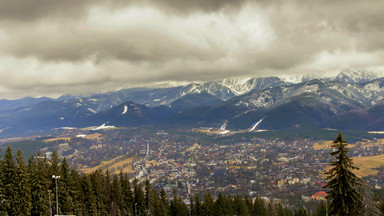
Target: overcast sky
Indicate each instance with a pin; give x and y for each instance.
(49, 47)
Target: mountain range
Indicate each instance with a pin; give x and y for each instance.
(351, 100)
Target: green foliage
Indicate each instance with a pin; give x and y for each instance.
(22, 204)
(28, 147)
(321, 209)
(343, 197)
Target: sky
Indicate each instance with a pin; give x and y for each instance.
(51, 48)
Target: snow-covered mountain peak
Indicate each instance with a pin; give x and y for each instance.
(356, 76)
(298, 78)
(238, 86)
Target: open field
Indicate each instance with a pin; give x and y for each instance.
(322, 145)
(327, 144)
(114, 165)
(370, 143)
(368, 164)
(95, 136)
(65, 139)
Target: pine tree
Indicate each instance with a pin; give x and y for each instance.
(3, 198)
(89, 201)
(155, 208)
(228, 204)
(126, 208)
(175, 205)
(147, 189)
(40, 182)
(116, 196)
(321, 209)
(343, 198)
(192, 206)
(248, 203)
(76, 192)
(207, 207)
(240, 208)
(219, 206)
(259, 207)
(65, 187)
(301, 212)
(139, 199)
(198, 207)
(98, 189)
(9, 173)
(183, 207)
(22, 205)
(164, 203)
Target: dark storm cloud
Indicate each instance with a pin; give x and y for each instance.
(49, 46)
(28, 10)
(133, 45)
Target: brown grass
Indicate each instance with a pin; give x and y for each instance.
(66, 139)
(322, 145)
(327, 145)
(368, 164)
(114, 165)
(95, 136)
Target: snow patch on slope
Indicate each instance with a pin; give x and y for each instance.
(125, 110)
(254, 126)
(92, 110)
(103, 127)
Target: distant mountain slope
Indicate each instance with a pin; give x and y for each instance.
(223, 89)
(371, 118)
(194, 100)
(49, 114)
(353, 100)
(24, 102)
(305, 104)
(130, 114)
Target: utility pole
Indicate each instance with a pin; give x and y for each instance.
(57, 197)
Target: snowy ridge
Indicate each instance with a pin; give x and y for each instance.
(237, 85)
(356, 76)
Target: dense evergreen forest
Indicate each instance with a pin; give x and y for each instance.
(30, 189)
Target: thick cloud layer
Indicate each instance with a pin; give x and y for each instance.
(57, 47)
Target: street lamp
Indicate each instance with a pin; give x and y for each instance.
(57, 197)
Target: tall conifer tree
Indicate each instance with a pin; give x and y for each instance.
(65, 188)
(3, 198)
(22, 189)
(343, 198)
(127, 195)
(9, 173)
(40, 182)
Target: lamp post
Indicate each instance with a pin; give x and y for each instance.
(57, 197)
